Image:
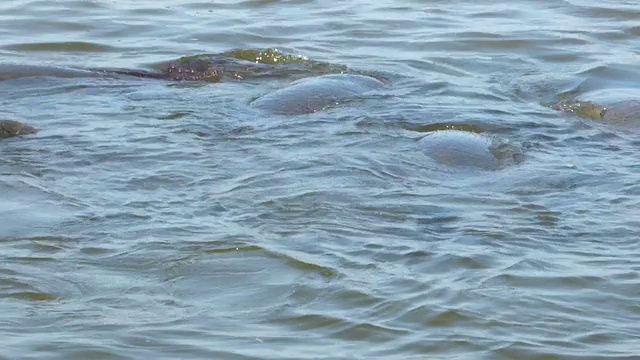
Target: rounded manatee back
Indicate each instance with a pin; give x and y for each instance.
(313, 94)
(241, 64)
(10, 128)
(463, 149)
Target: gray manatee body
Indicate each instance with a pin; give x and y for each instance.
(313, 94)
(463, 149)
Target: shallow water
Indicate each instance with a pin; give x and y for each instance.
(149, 220)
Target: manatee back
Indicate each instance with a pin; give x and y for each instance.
(455, 148)
(310, 95)
(10, 128)
(468, 150)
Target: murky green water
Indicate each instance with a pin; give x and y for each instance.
(149, 219)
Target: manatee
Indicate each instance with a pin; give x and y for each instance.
(463, 149)
(313, 94)
(242, 64)
(10, 128)
(207, 68)
(234, 64)
(623, 113)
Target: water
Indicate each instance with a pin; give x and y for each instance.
(148, 220)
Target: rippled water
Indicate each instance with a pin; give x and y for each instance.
(149, 219)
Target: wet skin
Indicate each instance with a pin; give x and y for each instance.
(236, 64)
(624, 113)
(11, 128)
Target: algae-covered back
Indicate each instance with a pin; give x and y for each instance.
(269, 56)
(245, 64)
(582, 109)
(622, 113)
(239, 64)
(11, 128)
(273, 56)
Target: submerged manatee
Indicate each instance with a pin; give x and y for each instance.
(463, 149)
(623, 113)
(10, 128)
(316, 93)
(17, 71)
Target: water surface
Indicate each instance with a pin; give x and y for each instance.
(149, 219)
